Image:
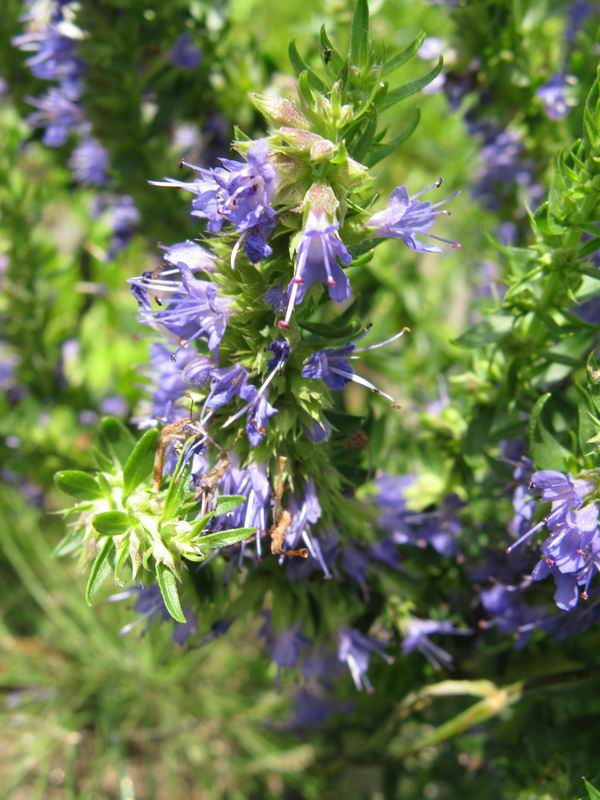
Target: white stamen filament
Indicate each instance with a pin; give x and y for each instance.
(236, 249)
(351, 376)
(384, 342)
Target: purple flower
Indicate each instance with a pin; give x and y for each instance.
(310, 710)
(571, 554)
(114, 405)
(318, 432)
(416, 637)
(9, 362)
(193, 255)
(54, 57)
(253, 483)
(184, 53)
(579, 11)
(355, 564)
(564, 493)
(281, 352)
(439, 528)
(169, 382)
(277, 298)
(258, 412)
(553, 95)
(285, 646)
(226, 383)
(197, 372)
(89, 163)
(406, 218)
(317, 255)
(239, 192)
(502, 166)
(194, 309)
(124, 218)
(305, 513)
(322, 554)
(150, 608)
(509, 613)
(57, 113)
(355, 649)
(333, 366)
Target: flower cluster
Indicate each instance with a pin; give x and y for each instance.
(571, 553)
(52, 38)
(242, 381)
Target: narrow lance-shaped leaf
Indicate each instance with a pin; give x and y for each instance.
(300, 66)
(177, 491)
(228, 502)
(225, 538)
(101, 569)
(359, 34)
(139, 464)
(380, 151)
(403, 56)
(593, 793)
(167, 583)
(408, 89)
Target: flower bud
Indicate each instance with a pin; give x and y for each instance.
(303, 142)
(279, 112)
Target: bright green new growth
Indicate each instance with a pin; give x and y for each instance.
(123, 525)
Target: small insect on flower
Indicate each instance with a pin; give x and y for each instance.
(179, 431)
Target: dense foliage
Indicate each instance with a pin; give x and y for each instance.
(334, 482)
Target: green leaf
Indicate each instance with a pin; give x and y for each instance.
(239, 135)
(102, 462)
(330, 332)
(360, 149)
(228, 502)
(212, 541)
(111, 523)
(167, 583)
(593, 794)
(78, 484)
(478, 431)
(408, 89)
(381, 151)
(300, 66)
(593, 373)
(586, 428)
(588, 249)
(101, 569)
(68, 544)
(403, 56)
(345, 424)
(141, 460)
(546, 451)
(117, 439)
(488, 331)
(359, 34)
